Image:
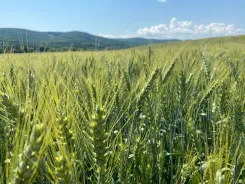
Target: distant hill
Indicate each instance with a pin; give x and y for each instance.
(221, 43)
(143, 41)
(20, 38)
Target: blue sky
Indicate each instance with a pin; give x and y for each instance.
(128, 18)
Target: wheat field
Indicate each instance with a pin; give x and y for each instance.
(169, 113)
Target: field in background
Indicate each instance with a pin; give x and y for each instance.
(169, 113)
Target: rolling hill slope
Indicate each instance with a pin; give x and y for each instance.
(58, 40)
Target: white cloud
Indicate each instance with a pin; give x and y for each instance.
(187, 30)
(183, 30)
(163, 1)
(114, 36)
(107, 35)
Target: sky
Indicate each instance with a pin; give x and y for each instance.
(160, 19)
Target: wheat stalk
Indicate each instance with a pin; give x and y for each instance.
(29, 159)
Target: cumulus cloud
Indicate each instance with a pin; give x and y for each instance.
(183, 30)
(114, 36)
(188, 30)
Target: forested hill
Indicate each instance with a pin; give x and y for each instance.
(22, 40)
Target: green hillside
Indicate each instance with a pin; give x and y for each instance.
(219, 44)
(17, 38)
(223, 42)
